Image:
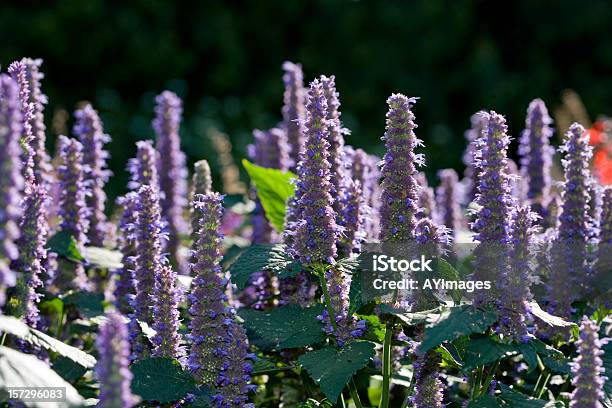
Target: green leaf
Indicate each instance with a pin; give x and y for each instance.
(448, 272)
(65, 245)
(485, 401)
(258, 257)
(19, 329)
(376, 330)
(355, 293)
(68, 369)
(102, 257)
(274, 188)
(529, 355)
(161, 379)
(201, 398)
(550, 320)
(551, 357)
(514, 399)
(456, 322)
(88, 303)
(332, 368)
(285, 327)
(24, 370)
(483, 350)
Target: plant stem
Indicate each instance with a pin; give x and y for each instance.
(354, 394)
(490, 377)
(386, 366)
(328, 304)
(3, 339)
(544, 386)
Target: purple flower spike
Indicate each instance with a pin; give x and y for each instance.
(336, 142)
(365, 170)
(515, 286)
(125, 288)
(400, 191)
(112, 369)
(172, 170)
(604, 253)
(72, 210)
(27, 73)
(353, 218)
(428, 386)
(426, 202)
(143, 167)
(149, 263)
(492, 225)
(219, 351)
(570, 273)
(166, 298)
(202, 179)
(316, 232)
(11, 181)
(88, 128)
(470, 175)
(32, 250)
(588, 368)
(447, 197)
(536, 156)
(293, 110)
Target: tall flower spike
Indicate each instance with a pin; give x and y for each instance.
(293, 110)
(426, 202)
(492, 225)
(588, 369)
(365, 170)
(536, 156)
(166, 298)
(202, 179)
(143, 167)
(125, 288)
(11, 182)
(316, 232)
(353, 218)
(112, 368)
(433, 240)
(27, 73)
(604, 252)
(428, 387)
(72, 210)
(218, 354)
(513, 305)
(470, 175)
(172, 171)
(336, 142)
(32, 250)
(570, 275)
(400, 191)
(88, 128)
(149, 263)
(447, 200)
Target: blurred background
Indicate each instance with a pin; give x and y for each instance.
(224, 58)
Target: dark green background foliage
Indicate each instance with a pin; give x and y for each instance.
(224, 58)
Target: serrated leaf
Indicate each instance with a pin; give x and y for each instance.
(332, 368)
(285, 327)
(547, 318)
(483, 350)
(102, 257)
(68, 369)
(161, 379)
(456, 322)
(87, 303)
(274, 188)
(64, 244)
(24, 370)
(258, 257)
(37, 338)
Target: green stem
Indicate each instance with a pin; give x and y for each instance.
(477, 383)
(328, 304)
(354, 394)
(3, 339)
(544, 386)
(386, 366)
(490, 377)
